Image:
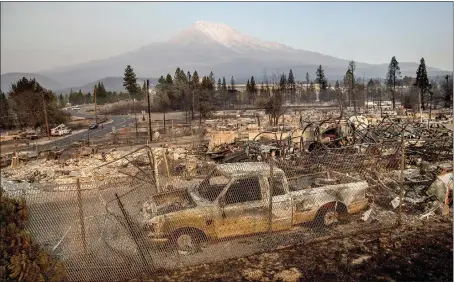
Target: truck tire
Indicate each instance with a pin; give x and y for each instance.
(331, 214)
(328, 217)
(188, 240)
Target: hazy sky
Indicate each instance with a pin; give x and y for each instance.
(37, 36)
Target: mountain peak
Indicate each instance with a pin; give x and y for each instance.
(220, 33)
(203, 31)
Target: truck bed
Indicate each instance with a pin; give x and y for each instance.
(320, 179)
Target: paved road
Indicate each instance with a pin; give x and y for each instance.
(113, 121)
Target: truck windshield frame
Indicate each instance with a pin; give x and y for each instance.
(213, 185)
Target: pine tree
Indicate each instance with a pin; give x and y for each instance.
(320, 78)
(130, 82)
(219, 86)
(177, 76)
(61, 100)
(348, 79)
(224, 84)
(254, 90)
(392, 77)
(422, 81)
(232, 84)
(169, 79)
(170, 92)
(78, 98)
(144, 86)
(101, 94)
(253, 85)
(283, 84)
(181, 91)
(351, 83)
(183, 79)
(225, 97)
(195, 86)
(5, 114)
(89, 98)
(248, 92)
(291, 86)
(204, 102)
(233, 91)
(212, 78)
(195, 80)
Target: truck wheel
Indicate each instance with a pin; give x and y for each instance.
(188, 241)
(185, 242)
(327, 217)
(330, 217)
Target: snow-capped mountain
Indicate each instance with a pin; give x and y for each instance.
(206, 47)
(208, 32)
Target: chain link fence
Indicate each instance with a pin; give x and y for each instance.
(158, 215)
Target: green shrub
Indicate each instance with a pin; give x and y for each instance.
(21, 259)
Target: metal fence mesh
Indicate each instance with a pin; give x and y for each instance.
(156, 214)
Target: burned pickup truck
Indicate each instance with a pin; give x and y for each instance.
(234, 200)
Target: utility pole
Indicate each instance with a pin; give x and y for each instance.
(45, 117)
(430, 109)
(135, 116)
(447, 91)
(379, 85)
(192, 109)
(420, 107)
(364, 87)
(149, 111)
(192, 95)
(96, 114)
(353, 92)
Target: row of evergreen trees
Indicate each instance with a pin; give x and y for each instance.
(102, 96)
(184, 91)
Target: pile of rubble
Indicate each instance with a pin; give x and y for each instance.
(88, 163)
(61, 170)
(426, 190)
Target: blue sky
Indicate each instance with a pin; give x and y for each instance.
(36, 36)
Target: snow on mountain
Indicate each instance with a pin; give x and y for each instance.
(204, 32)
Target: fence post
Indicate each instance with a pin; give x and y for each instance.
(172, 135)
(81, 215)
(166, 164)
(134, 235)
(155, 171)
(192, 134)
(402, 168)
(270, 199)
